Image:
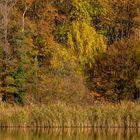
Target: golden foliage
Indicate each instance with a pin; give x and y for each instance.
(85, 43)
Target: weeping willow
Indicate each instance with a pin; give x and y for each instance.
(85, 43)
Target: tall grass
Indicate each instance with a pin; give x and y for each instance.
(100, 115)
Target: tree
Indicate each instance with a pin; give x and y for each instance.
(115, 19)
(114, 74)
(6, 7)
(85, 43)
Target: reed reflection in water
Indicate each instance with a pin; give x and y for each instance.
(69, 134)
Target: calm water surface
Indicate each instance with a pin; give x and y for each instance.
(69, 134)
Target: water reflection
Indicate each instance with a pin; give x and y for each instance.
(69, 134)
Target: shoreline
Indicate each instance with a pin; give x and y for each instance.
(99, 115)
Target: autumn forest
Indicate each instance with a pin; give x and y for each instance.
(70, 51)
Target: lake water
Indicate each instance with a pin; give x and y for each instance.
(69, 134)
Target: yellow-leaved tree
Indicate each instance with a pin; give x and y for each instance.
(85, 43)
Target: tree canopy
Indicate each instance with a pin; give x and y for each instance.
(64, 50)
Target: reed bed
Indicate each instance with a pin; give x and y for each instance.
(99, 115)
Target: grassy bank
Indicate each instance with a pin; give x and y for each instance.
(104, 115)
